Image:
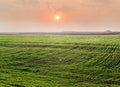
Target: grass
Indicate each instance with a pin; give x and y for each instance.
(29, 60)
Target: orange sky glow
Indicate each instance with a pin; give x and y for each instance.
(67, 12)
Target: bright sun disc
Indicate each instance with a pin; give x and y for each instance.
(57, 17)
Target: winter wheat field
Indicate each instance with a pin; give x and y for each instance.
(34, 60)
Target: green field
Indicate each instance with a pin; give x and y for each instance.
(29, 60)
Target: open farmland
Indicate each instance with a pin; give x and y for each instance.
(34, 60)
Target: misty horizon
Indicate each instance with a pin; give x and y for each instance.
(10, 26)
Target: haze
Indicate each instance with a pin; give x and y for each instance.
(76, 15)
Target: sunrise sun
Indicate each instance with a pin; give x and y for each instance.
(57, 17)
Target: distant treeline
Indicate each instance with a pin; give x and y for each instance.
(65, 33)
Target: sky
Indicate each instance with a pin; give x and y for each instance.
(76, 15)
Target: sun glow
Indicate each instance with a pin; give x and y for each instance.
(57, 17)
